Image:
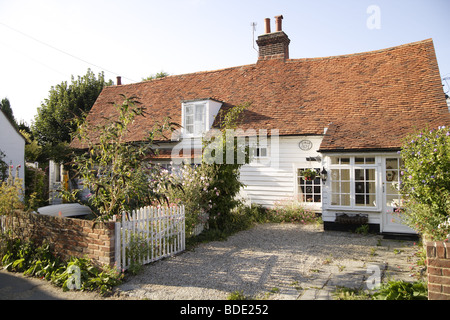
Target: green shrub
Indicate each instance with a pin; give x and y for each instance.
(426, 182)
(40, 261)
(291, 211)
(402, 290)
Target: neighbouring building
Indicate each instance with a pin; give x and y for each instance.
(12, 144)
(343, 116)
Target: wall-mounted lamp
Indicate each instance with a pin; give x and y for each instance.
(324, 175)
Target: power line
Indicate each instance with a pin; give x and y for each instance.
(62, 51)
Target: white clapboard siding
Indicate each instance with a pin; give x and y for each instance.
(266, 184)
(159, 230)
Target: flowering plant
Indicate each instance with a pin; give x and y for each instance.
(11, 193)
(426, 181)
(309, 174)
(195, 192)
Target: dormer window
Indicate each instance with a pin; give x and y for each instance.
(194, 118)
(198, 116)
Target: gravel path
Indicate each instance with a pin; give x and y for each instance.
(273, 261)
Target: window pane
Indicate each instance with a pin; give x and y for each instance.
(334, 160)
(359, 187)
(391, 188)
(335, 199)
(371, 200)
(392, 163)
(335, 174)
(359, 160)
(345, 200)
(345, 174)
(370, 160)
(199, 112)
(336, 187)
(370, 187)
(370, 174)
(359, 174)
(359, 200)
(345, 187)
(393, 201)
(345, 160)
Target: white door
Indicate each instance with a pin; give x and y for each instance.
(392, 219)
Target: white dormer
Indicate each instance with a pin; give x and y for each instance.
(198, 116)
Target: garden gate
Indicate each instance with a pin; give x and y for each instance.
(149, 234)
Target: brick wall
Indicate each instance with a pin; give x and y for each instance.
(273, 46)
(438, 268)
(69, 237)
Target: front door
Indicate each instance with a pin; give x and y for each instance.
(392, 219)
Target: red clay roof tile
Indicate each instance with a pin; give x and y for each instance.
(372, 99)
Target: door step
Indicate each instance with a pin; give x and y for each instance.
(400, 236)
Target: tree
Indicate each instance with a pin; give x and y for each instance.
(5, 107)
(161, 74)
(53, 125)
(225, 176)
(426, 182)
(115, 171)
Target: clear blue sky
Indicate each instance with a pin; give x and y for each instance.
(137, 38)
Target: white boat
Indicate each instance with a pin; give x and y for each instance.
(65, 210)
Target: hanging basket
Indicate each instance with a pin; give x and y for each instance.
(309, 174)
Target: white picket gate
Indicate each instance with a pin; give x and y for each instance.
(149, 234)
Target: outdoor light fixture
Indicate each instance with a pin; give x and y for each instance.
(324, 175)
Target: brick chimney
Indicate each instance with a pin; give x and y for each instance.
(273, 45)
(119, 80)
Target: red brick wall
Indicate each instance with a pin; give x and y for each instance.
(69, 237)
(438, 268)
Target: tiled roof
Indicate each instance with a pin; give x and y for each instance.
(366, 100)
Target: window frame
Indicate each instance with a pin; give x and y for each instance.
(198, 127)
(312, 184)
(350, 163)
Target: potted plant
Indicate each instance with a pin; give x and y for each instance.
(309, 174)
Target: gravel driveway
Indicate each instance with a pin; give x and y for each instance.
(273, 261)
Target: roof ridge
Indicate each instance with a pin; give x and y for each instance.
(287, 60)
(365, 52)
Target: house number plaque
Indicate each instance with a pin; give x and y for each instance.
(305, 145)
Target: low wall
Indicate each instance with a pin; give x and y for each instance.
(438, 269)
(69, 237)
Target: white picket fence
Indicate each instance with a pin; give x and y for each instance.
(149, 234)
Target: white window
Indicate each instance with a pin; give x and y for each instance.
(309, 190)
(198, 116)
(393, 197)
(354, 182)
(195, 118)
(261, 152)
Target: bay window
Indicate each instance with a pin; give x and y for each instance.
(353, 182)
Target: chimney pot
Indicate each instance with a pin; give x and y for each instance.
(119, 80)
(267, 23)
(278, 23)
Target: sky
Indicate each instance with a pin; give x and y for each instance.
(46, 42)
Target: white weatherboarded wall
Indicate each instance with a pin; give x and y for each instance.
(266, 184)
(13, 145)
